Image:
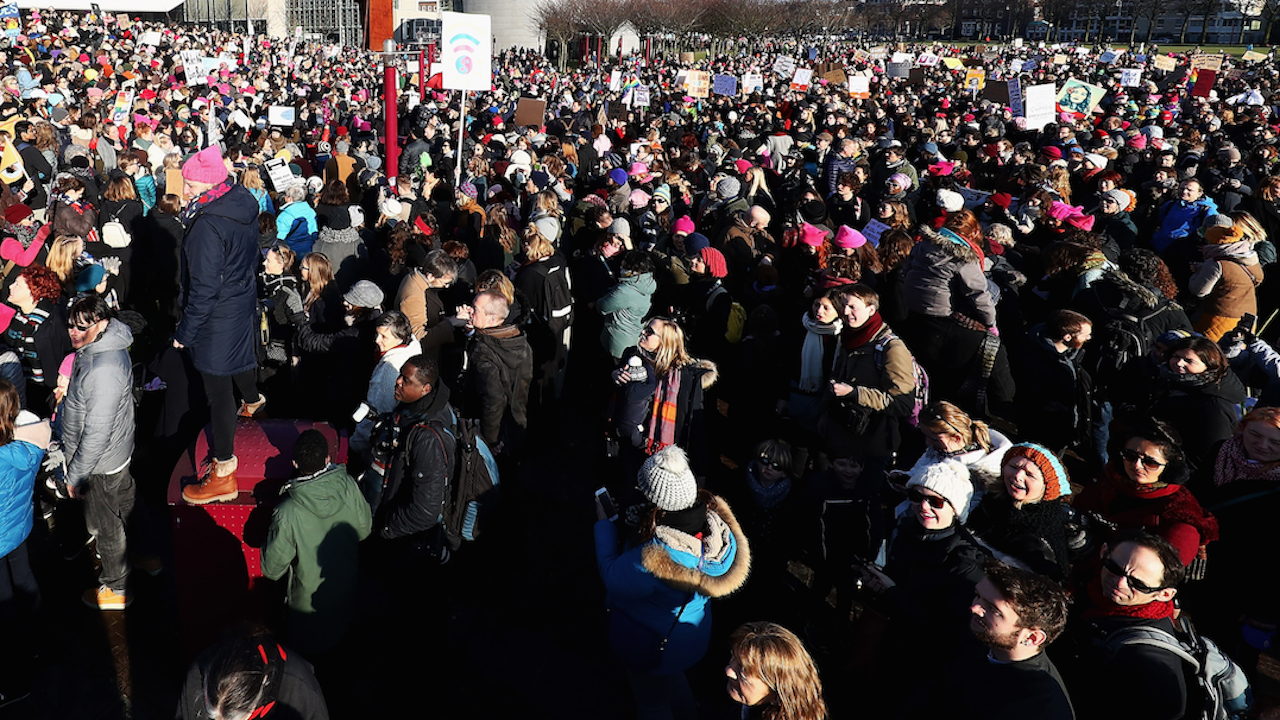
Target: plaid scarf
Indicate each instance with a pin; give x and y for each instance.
(195, 206)
(662, 421)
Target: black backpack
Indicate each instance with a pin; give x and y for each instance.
(472, 497)
(1126, 335)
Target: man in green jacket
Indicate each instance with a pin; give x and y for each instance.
(316, 532)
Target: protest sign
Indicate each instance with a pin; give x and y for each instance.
(466, 51)
(997, 91)
(784, 66)
(615, 81)
(1059, 59)
(1131, 77)
(121, 110)
(530, 112)
(193, 67)
(1204, 82)
(901, 57)
(1038, 104)
(1015, 96)
(1163, 62)
(1079, 97)
(151, 38)
(953, 63)
(698, 83)
(725, 85)
(974, 79)
(1206, 62)
(1253, 56)
(898, 69)
(281, 115)
(873, 231)
(916, 77)
(640, 96)
(277, 171)
(835, 76)
(813, 54)
(173, 180)
(927, 60)
(860, 87)
(752, 81)
(800, 81)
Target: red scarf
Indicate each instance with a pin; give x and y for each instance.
(1101, 606)
(854, 338)
(662, 422)
(1234, 465)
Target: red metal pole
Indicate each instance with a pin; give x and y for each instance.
(600, 51)
(422, 75)
(391, 101)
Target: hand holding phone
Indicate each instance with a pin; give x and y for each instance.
(606, 508)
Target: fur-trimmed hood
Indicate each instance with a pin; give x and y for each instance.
(957, 250)
(706, 371)
(715, 566)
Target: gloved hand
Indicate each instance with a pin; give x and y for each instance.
(53, 457)
(111, 264)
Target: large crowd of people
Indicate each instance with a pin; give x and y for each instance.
(982, 409)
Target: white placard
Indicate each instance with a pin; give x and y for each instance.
(752, 81)
(150, 38)
(784, 66)
(279, 173)
(615, 81)
(1131, 77)
(193, 67)
(1038, 102)
(802, 77)
(281, 115)
(466, 51)
(640, 96)
(927, 60)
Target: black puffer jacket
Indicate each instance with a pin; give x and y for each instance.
(499, 371)
(417, 480)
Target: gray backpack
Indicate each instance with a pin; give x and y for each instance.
(1220, 691)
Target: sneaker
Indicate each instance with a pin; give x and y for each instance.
(248, 410)
(104, 598)
(149, 564)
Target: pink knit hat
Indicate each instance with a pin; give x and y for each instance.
(847, 238)
(683, 225)
(812, 235)
(205, 167)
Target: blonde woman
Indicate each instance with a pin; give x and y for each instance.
(63, 254)
(543, 280)
(251, 178)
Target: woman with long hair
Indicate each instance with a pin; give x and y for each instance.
(688, 549)
(73, 213)
(543, 279)
(772, 674)
(498, 243)
(251, 178)
(321, 302)
(950, 433)
(64, 256)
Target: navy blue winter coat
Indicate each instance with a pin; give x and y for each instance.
(219, 292)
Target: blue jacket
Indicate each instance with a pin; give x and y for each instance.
(652, 582)
(19, 461)
(1179, 219)
(296, 225)
(219, 284)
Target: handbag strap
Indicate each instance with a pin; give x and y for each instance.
(663, 645)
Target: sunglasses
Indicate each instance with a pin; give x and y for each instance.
(916, 497)
(648, 331)
(659, 200)
(1112, 567)
(1148, 462)
(78, 327)
(766, 462)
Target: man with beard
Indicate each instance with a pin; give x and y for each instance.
(1015, 615)
(1055, 392)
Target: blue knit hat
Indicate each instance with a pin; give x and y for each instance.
(1056, 482)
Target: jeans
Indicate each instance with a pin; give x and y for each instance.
(223, 408)
(108, 507)
(662, 697)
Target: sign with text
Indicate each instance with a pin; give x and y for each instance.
(802, 78)
(784, 66)
(752, 81)
(898, 69)
(698, 83)
(1038, 102)
(724, 85)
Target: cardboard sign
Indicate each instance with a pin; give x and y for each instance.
(615, 81)
(122, 19)
(173, 181)
(724, 85)
(1204, 83)
(835, 77)
(1131, 77)
(1060, 59)
(529, 112)
(281, 115)
(752, 81)
(875, 230)
(1253, 56)
(860, 87)
(879, 53)
(1038, 103)
(698, 83)
(1163, 62)
(1206, 62)
(974, 79)
(898, 69)
(686, 58)
(784, 66)
(800, 81)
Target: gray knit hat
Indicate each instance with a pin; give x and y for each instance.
(1118, 197)
(666, 480)
(364, 294)
(728, 188)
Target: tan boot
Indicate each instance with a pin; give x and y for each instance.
(248, 410)
(218, 484)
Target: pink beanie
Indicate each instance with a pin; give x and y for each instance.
(683, 225)
(847, 238)
(205, 167)
(1061, 211)
(812, 235)
(1081, 222)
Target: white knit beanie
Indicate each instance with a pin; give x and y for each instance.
(950, 479)
(950, 201)
(666, 480)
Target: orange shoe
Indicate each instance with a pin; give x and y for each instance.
(248, 410)
(217, 484)
(104, 598)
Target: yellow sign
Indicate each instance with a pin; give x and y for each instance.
(974, 79)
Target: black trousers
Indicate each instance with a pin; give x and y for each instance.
(223, 408)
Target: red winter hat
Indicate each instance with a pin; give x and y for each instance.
(1052, 152)
(1003, 199)
(715, 262)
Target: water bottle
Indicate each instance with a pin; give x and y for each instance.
(636, 370)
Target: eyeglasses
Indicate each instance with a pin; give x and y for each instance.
(1114, 568)
(1148, 462)
(766, 462)
(659, 200)
(916, 497)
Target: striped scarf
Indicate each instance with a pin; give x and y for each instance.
(662, 420)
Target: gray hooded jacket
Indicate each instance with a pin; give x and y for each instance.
(97, 414)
